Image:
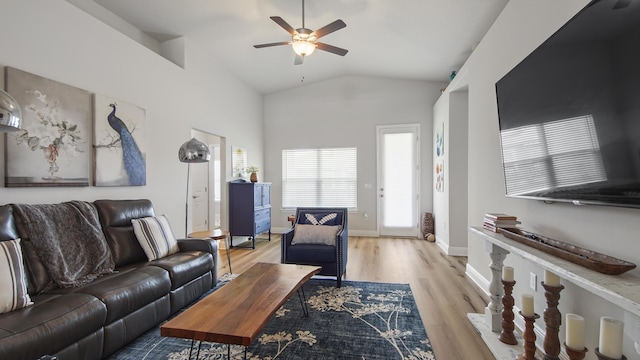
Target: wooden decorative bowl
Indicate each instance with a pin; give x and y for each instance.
(590, 259)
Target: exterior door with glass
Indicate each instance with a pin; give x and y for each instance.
(398, 179)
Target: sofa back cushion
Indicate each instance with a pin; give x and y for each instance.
(37, 276)
(115, 218)
(7, 224)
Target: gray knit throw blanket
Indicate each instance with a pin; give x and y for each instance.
(68, 239)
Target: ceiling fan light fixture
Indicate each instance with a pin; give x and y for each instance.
(303, 47)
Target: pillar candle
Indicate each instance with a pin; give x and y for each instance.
(527, 305)
(551, 279)
(575, 332)
(611, 337)
(507, 273)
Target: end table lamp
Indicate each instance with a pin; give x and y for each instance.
(192, 151)
(10, 113)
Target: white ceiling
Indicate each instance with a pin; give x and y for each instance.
(405, 39)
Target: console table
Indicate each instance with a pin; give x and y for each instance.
(621, 290)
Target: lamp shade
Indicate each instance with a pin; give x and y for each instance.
(194, 151)
(10, 114)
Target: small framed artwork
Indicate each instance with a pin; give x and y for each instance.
(53, 147)
(238, 161)
(120, 143)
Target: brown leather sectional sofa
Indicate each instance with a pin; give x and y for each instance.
(95, 320)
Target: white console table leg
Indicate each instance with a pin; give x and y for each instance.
(493, 311)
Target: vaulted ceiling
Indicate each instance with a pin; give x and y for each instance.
(405, 39)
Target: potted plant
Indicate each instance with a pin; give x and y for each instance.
(253, 170)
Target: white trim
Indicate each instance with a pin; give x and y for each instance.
(368, 233)
(451, 251)
(478, 279)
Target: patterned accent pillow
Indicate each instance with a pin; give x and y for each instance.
(12, 277)
(314, 234)
(325, 219)
(155, 236)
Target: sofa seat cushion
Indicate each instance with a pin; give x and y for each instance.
(311, 254)
(183, 267)
(50, 324)
(127, 291)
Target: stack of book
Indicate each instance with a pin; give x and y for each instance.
(494, 221)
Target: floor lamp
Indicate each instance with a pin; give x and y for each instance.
(192, 151)
(10, 114)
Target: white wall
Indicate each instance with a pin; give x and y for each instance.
(344, 112)
(450, 202)
(521, 27)
(54, 39)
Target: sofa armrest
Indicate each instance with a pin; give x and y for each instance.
(287, 237)
(206, 245)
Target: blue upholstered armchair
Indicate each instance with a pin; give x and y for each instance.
(318, 237)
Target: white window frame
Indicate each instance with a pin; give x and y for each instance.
(320, 177)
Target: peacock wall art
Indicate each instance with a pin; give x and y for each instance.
(119, 143)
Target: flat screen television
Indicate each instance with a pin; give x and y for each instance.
(569, 113)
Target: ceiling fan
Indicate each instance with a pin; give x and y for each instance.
(304, 41)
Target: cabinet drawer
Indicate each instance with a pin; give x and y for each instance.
(262, 215)
(263, 220)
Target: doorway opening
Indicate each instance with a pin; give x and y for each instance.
(206, 192)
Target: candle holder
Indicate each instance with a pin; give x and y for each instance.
(602, 357)
(529, 337)
(575, 354)
(552, 320)
(506, 335)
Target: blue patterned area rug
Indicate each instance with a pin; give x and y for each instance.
(360, 320)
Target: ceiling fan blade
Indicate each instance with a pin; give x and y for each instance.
(271, 44)
(328, 29)
(298, 60)
(332, 49)
(280, 21)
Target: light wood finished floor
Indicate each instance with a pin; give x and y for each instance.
(442, 292)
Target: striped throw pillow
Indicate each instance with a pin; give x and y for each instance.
(12, 277)
(155, 236)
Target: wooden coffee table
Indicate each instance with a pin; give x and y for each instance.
(237, 312)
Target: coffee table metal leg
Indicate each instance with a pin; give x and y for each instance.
(303, 301)
(227, 245)
(198, 353)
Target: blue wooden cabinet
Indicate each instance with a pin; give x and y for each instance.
(249, 210)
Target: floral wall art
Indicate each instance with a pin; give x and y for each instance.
(439, 170)
(53, 147)
(119, 128)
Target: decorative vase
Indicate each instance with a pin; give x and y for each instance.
(253, 177)
(51, 155)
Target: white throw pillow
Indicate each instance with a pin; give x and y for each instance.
(155, 236)
(13, 281)
(315, 234)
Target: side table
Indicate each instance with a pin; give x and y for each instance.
(215, 234)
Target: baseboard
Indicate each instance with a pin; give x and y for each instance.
(478, 279)
(367, 233)
(451, 250)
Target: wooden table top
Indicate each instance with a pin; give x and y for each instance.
(237, 312)
(215, 234)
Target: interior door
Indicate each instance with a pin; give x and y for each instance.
(398, 179)
(199, 196)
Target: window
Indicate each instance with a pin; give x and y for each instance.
(319, 177)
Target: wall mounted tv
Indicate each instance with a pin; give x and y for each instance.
(569, 113)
